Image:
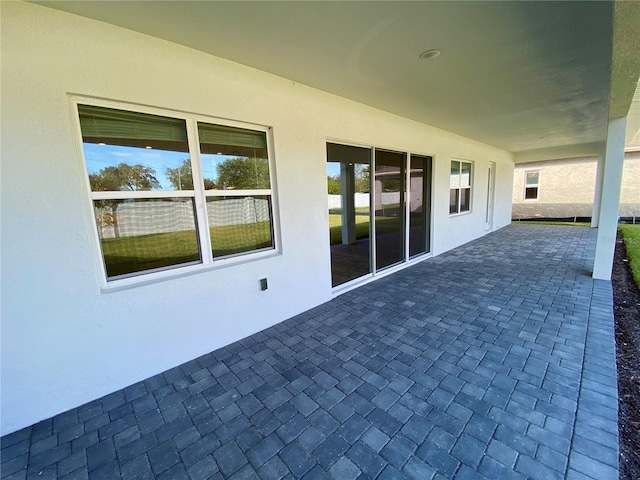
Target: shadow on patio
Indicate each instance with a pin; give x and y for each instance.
(494, 360)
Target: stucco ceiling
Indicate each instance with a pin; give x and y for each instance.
(521, 76)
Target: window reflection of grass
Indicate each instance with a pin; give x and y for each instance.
(145, 252)
(138, 253)
(335, 227)
(383, 225)
(243, 237)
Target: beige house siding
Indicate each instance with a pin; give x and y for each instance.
(566, 188)
(630, 192)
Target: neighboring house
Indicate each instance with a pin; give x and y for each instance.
(565, 188)
(164, 164)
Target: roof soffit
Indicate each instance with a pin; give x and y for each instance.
(517, 75)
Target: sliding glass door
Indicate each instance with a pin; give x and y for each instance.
(376, 223)
(348, 185)
(419, 204)
(389, 204)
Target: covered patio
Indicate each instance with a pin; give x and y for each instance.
(493, 360)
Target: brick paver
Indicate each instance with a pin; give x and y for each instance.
(494, 360)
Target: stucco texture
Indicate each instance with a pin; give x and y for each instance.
(66, 339)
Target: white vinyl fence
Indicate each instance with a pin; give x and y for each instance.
(335, 201)
(362, 200)
(143, 218)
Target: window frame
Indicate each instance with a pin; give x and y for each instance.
(527, 186)
(460, 188)
(199, 195)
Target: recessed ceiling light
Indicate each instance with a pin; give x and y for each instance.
(429, 54)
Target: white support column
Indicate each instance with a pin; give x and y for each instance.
(608, 215)
(597, 195)
(347, 189)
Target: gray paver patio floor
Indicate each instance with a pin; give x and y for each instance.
(494, 360)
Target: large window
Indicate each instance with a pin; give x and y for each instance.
(174, 192)
(460, 187)
(531, 184)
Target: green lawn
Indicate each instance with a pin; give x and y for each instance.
(383, 225)
(357, 209)
(335, 227)
(132, 254)
(631, 236)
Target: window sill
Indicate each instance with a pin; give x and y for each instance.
(177, 272)
(461, 214)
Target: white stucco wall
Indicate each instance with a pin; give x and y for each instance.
(66, 342)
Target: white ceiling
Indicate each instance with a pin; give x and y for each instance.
(521, 76)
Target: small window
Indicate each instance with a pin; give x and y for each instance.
(149, 186)
(237, 186)
(531, 185)
(460, 187)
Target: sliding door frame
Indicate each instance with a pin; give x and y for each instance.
(407, 258)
